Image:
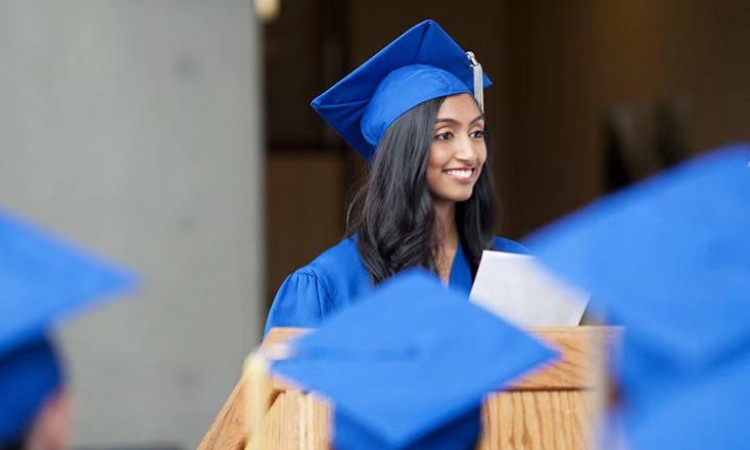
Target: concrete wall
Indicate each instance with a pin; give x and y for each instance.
(133, 127)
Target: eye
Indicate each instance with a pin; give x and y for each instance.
(478, 134)
(447, 135)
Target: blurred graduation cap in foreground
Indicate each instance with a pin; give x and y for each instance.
(670, 260)
(422, 64)
(42, 280)
(408, 367)
(710, 411)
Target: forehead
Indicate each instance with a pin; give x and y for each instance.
(461, 107)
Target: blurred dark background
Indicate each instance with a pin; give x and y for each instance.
(588, 96)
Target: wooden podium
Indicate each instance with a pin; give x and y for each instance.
(555, 407)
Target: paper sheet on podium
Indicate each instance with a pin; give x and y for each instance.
(518, 289)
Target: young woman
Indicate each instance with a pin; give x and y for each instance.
(429, 199)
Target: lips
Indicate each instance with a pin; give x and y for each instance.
(461, 174)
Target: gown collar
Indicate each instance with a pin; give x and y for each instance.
(460, 278)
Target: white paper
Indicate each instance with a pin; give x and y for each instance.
(520, 290)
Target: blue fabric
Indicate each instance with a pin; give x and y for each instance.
(712, 411)
(409, 365)
(403, 89)
(462, 434)
(422, 64)
(338, 278)
(42, 281)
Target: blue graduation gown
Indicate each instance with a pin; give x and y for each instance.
(338, 277)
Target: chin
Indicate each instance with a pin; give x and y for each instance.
(455, 197)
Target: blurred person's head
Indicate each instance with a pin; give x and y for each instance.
(42, 281)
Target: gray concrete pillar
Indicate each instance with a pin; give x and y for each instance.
(132, 127)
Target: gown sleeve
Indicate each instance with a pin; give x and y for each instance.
(298, 303)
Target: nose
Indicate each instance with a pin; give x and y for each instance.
(466, 151)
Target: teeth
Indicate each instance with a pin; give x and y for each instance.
(460, 173)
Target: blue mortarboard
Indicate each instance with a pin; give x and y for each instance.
(670, 260)
(42, 280)
(712, 412)
(408, 366)
(422, 64)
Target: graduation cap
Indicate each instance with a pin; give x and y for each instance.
(42, 280)
(711, 413)
(669, 259)
(422, 64)
(408, 366)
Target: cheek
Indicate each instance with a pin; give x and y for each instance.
(437, 159)
(435, 164)
(433, 176)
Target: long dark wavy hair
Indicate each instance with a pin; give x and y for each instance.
(392, 213)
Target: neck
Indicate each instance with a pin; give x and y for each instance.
(445, 222)
(446, 233)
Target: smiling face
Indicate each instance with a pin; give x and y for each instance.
(458, 151)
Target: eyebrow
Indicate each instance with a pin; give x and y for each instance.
(456, 122)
